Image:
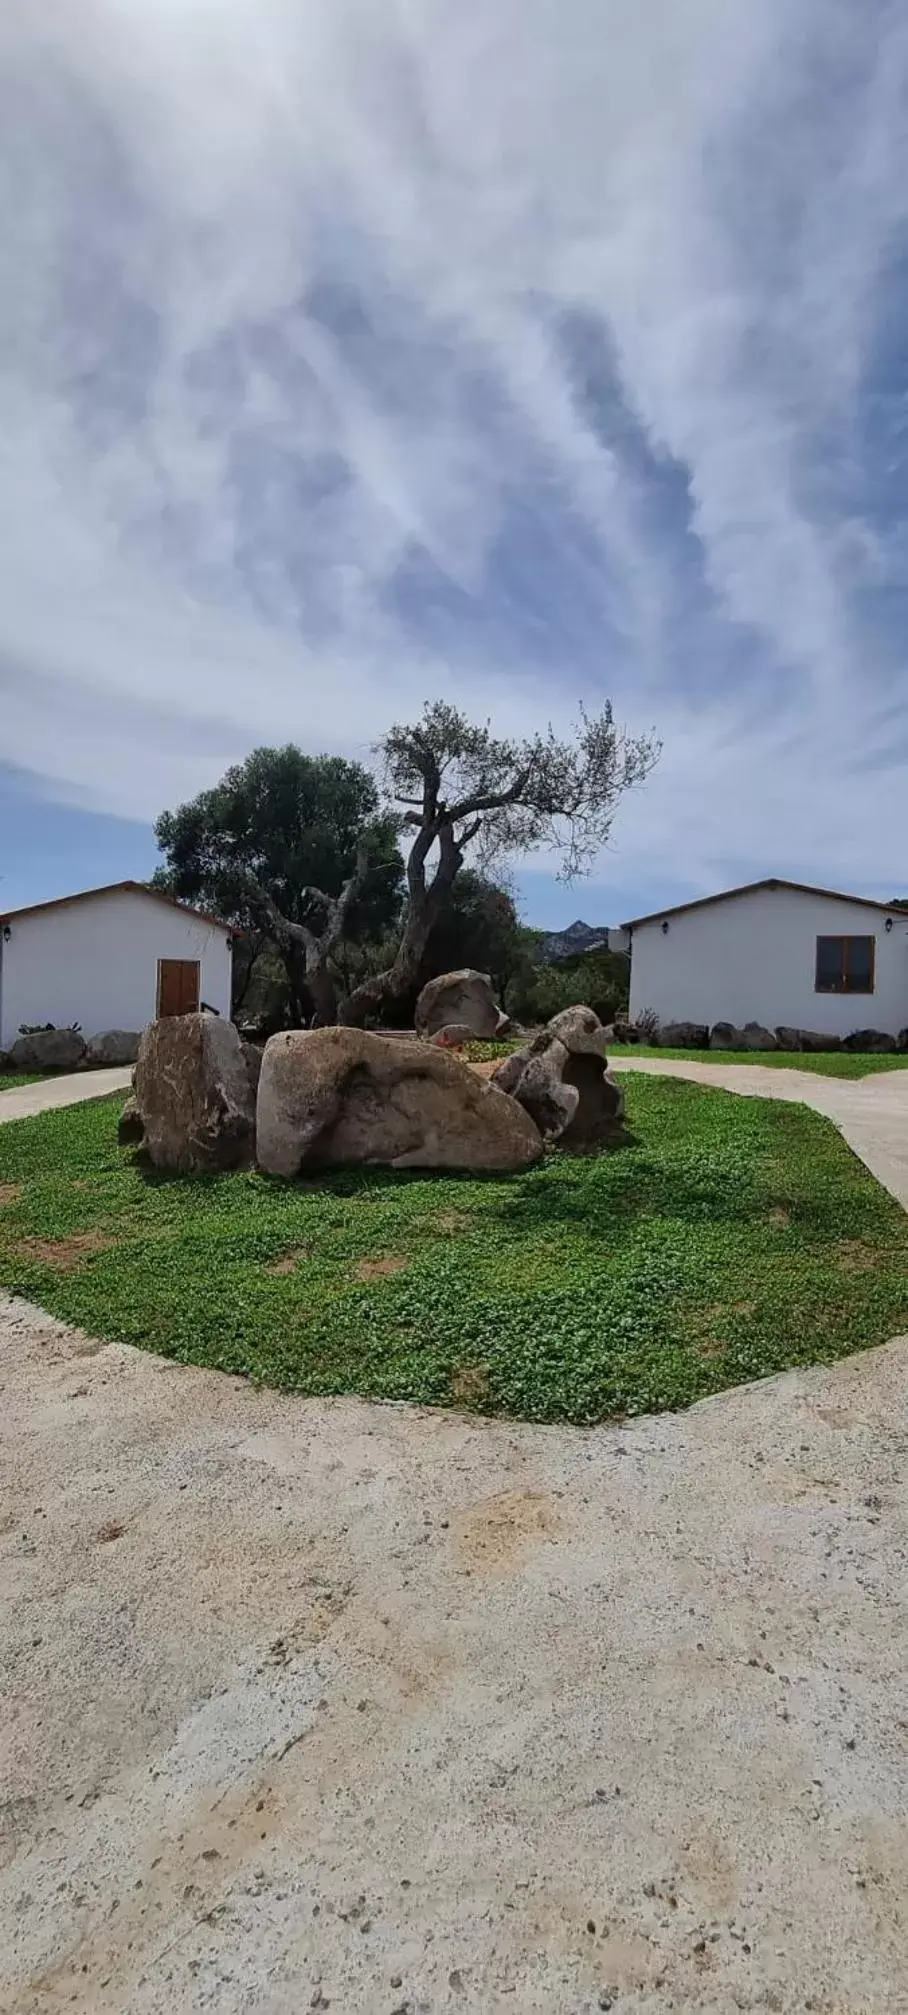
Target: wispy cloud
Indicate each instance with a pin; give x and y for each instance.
(526, 352)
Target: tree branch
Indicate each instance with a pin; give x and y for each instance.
(284, 931)
(339, 909)
(491, 801)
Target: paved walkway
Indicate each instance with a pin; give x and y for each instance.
(28, 1099)
(871, 1112)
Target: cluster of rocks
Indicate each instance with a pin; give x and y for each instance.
(724, 1035)
(753, 1036)
(68, 1049)
(323, 1098)
(561, 1078)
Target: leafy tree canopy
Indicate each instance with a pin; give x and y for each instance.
(480, 927)
(290, 825)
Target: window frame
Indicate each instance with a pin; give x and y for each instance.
(845, 939)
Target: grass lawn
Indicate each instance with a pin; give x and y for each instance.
(832, 1063)
(835, 1063)
(732, 1239)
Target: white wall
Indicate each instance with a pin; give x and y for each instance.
(753, 958)
(95, 962)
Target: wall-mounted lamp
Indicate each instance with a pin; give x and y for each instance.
(665, 928)
(888, 923)
(7, 934)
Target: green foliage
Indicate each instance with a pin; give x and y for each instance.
(46, 1027)
(489, 1052)
(825, 1063)
(479, 928)
(292, 821)
(561, 793)
(261, 986)
(599, 980)
(735, 1237)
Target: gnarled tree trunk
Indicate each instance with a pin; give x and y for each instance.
(425, 902)
(316, 946)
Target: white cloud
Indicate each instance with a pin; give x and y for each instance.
(284, 297)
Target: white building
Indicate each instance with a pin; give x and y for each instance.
(777, 953)
(110, 958)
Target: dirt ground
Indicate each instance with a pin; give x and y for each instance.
(314, 1705)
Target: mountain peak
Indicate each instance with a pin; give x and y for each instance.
(577, 937)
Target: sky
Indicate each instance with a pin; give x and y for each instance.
(527, 352)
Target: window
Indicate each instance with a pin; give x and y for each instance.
(845, 965)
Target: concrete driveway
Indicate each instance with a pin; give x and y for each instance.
(72, 1089)
(316, 1705)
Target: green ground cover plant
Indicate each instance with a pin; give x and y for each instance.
(732, 1238)
(834, 1063)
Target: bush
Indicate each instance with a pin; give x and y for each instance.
(600, 981)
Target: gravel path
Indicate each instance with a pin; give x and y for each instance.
(315, 1704)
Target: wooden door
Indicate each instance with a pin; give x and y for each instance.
(178, 986)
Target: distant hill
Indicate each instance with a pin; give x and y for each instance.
(554, 946)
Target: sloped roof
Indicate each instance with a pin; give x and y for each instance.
(117, 888)
(750, 888)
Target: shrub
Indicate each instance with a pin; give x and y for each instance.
(46, 1027)
(599, 980)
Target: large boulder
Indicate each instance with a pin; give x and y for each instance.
(682, 1035)
(621, 1032)
(580, 1030)
(339, 1096)
(465, 997)
(193, 1094)
(562, 1080)
(130, 1125)
(534, 1077)
(452, 1036)
(47, 1049)
(807, 1039)
(116, 1046)
(724, 1035)
(871, 1042)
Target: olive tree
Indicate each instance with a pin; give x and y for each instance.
(457, 787)
(296, 850)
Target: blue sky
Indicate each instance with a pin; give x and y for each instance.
(524, 352)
